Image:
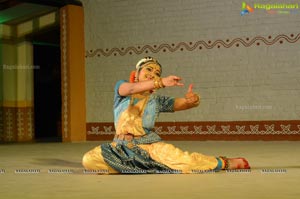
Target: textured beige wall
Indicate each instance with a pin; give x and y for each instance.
(250, 73)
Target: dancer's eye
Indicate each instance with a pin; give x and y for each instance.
(149, 69)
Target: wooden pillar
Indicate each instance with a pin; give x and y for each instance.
(73, 74)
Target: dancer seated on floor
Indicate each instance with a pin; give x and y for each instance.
(136, 148)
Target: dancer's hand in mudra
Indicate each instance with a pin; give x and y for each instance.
(192, 98)
(172, 81)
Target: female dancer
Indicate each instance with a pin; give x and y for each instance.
(136, 148)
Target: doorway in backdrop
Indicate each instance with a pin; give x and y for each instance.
(47, 86)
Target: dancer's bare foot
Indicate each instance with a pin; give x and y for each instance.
(238, 163)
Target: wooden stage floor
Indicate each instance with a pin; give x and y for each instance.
(53, 170)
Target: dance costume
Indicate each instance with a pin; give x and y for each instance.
(136, 148)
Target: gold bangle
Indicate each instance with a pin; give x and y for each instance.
(161, 84)
(158, 83)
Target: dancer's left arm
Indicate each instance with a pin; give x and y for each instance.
(190, 100)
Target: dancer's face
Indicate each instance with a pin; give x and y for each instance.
(149, 71)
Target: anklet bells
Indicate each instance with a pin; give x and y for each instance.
(226, 162)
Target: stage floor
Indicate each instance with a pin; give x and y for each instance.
(53, 170)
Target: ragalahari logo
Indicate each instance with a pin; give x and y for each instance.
(246, 9)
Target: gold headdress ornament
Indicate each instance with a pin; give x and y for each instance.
(144, 61)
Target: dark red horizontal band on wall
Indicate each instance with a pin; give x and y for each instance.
(210, 130)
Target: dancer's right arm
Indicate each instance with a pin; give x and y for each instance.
(127, 88)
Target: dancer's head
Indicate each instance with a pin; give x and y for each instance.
(147, 68)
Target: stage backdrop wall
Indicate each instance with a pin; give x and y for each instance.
(246, 68)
